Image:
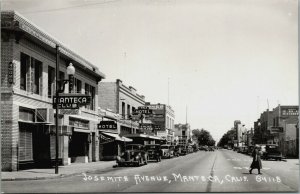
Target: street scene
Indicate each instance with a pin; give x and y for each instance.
(219, 171)
(149, 96)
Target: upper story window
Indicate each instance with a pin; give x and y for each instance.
(90, 90)
(128, 110)
(25, 64)
(51, 80)
(123, 110)
(31, 72)
(37, 71)
(77, 85)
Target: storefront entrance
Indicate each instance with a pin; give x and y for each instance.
(79, 147)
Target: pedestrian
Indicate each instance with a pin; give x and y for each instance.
(256, 162)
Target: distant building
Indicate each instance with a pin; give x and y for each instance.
(183, 132)
(117, 102)
(279, 126)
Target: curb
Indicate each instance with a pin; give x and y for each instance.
(56, 176)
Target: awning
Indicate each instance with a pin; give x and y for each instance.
(143, 136)
(117, 137)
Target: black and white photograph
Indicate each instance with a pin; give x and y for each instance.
(149, 96)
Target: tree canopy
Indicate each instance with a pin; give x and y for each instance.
(227, 138)
(204, 137)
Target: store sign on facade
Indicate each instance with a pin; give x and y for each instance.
(107, 125)
(73, 101)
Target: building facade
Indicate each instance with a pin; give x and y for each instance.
(279, 126)
(183, 133)
(28, 61)
(120, 100)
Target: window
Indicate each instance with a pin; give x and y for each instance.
(37, 70)
(132, 110)
(25, 62)
(51, 79)
(183, 133)
(77, 85)
(90, 90)
(123, 110)
(128, 110)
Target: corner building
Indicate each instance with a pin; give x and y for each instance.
(28, 62)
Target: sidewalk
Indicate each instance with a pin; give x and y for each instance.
(64, 171)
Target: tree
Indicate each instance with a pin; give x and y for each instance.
(204, 137)
(227, 138)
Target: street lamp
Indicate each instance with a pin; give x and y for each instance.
(59, 83)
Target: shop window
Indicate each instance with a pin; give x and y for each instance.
(25, 63)
(25, 142)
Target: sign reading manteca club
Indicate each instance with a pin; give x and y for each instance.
(71, 100)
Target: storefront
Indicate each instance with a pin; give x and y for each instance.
(79, 141)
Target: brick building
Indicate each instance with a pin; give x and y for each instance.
(123, 101)
(28, 59)
(279, 126)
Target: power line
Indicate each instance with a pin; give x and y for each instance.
(70, 7)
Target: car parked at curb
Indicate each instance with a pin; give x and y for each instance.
(134, 154)
(167, 151)
(154, 152)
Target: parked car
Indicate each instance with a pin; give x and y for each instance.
(167, 151)
(242, 150)
(183, 150)
(272, 152)
(211, 149)
(177, 150)
(154, 152)
(134, 154)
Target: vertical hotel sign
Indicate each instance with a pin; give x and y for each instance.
(11, 73)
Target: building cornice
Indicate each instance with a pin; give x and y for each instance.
(12, 20)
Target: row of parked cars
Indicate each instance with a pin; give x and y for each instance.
(269, 151)
(137, 154)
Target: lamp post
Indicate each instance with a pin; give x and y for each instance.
(59, 84)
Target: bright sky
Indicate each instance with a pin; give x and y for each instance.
(225, 60)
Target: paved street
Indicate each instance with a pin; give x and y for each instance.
(219, 171)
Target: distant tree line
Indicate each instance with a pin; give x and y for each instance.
(227, 138)
(203, 137)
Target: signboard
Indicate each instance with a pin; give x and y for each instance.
(69, 111)
(289, 112)
(143, 110)
(71, 101)
(11, 73)
(107, 125)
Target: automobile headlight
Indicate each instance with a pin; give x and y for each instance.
(137, 157)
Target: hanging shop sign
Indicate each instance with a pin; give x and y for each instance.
(107, 125)
(71, 101)
(11, 73)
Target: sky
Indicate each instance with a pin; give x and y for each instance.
(212, 61)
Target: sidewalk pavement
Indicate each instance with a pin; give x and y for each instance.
(64, 171)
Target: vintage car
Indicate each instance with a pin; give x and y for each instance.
(211, 149)
(134, 154)
(271, 151)
(154, 152)
(167, 151)
(183, 150)
(177, 150)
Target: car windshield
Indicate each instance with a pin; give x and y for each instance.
(273, 150)
(164, 147)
